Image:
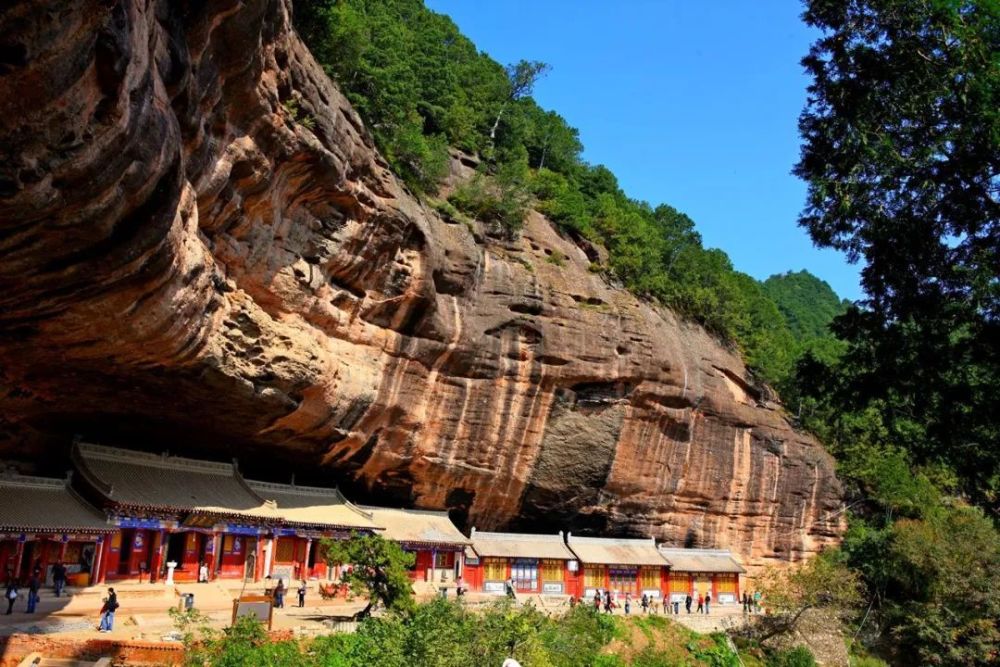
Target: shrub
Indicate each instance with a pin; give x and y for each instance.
(800, 656)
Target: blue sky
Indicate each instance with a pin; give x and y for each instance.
(694, 104)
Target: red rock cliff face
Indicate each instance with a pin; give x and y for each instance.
(188, 259)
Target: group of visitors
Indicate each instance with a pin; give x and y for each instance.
(12, 589)
(704, 602)
(751, 603)
(278, 593)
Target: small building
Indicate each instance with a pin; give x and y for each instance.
(534, 563)
(42, 522)
(700, 571)
(308, 514)
(174, 509)
(438, 545)
(621, 565)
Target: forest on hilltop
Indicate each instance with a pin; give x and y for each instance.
(901, 154)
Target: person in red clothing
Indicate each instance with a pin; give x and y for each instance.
(701, 603)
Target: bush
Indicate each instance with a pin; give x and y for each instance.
(422, 161)
(800, 656)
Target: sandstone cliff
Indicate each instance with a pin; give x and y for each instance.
(202, 248)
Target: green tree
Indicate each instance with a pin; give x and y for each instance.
(521, 79)
(379, 570)
(901, 154)
(824, 582)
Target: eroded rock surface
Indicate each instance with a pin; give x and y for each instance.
(201, 248)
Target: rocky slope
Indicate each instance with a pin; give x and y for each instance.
(201, 248)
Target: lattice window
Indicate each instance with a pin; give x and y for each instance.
(552, 570)
(494, 569)
(593, 576)
(679, 583)
(285, 551)
(649, 577)
(725, 583)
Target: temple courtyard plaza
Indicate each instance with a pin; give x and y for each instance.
(144, 614)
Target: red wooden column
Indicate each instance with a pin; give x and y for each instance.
(258, 566)
(19, 556)
(101, 566)
(157, 562)
(715, 592)
(62, 549)
(305, 572)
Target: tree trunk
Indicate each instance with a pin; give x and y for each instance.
(496, 123)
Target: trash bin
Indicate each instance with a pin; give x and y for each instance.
(187, 601)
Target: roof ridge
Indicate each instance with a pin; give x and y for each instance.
(167, 461)
(295, 488)
(620, 540)
(17, 479)
(532, 536)
(694, 551)
(405, 509)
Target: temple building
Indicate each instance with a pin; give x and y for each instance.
(701, 571)
(308, 514)
(431, 536)
(621, 565)
(170, 509)
(42, 522)
(533, 563)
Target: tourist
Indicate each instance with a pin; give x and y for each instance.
(279, 594)
(608, 603)
(108, 611)
(597, 600)
(687, 603)
(572, 601)
(58, 577)
(756, 602)
(677, 607)
(708, 601)
(628, 603)
(302, 594)
(746, 603)
(11, 592)
(701, 603)
(644, 603)
(203, 573)
(34, 584)
(509, 585)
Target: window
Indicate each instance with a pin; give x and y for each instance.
(552, 570)
(444, 559)
(524, 572)
(593, 576)
(623, 580)
(494, 569)
(649, 577)
(725, 583)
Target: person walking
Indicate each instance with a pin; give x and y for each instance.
(597, 600)
(34, 584)
(279, 594)
(687, 603)
(11, 593)
(302, 594)
(756, 601)
(746, 603)
(708, 601)
(628, 604)
(644, 603)
(59, 577)
(108, 611)
(701, 603)
(607, 602)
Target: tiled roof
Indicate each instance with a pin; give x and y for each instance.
(520, 545)
(40, 504)
(615, 550)
(417, 526)
(138, 480)
(314, 506)
(700, 560)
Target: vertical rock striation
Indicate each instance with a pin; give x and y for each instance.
(201, 245)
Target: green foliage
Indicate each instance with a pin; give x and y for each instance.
(798, 656)
(379, 569)
(556, 258)
(901, 154)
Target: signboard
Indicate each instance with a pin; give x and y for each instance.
(236, 529)
(256, 606)
(651, 592)
(495, 587)
(285, 532)
(283, 573)
(552, 588)
(132, 522)
(727, 598)
(573, 565)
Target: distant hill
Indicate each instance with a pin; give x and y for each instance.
(808, 303)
